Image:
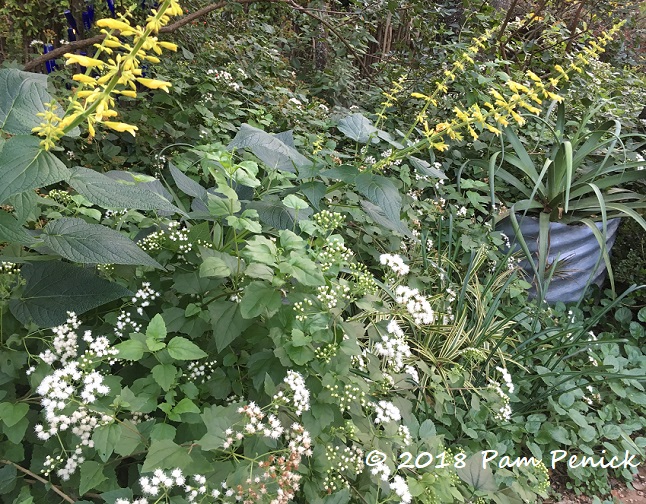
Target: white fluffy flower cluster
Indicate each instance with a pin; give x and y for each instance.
(416, 304)
(330, 295)
(400, 487)
(301, 396)
(507, 378)
(393, 347)
(386, 412)
(67, 390)
(395, 263)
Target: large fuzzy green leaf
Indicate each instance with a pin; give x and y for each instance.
(53, 288)
(382, 192)
(23, 96)
(11, 231)
(109, 193)
(24, 166)
(357, 127)
(270, 149)
(79, 241)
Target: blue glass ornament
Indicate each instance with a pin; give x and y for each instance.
(111, 7)
(70, 19)
(71, 34)
(90, 11)
(86, 20)
(51, 64)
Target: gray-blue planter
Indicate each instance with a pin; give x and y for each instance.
(577, 249)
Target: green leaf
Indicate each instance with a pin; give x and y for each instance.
(357, 127)
(294, 202)
(270, 149)
(474, 474)
(131, 350)
(91, 476)
(11, 231)
(164, 375)
(24, 166)
(53, 288)
(109, 193)
(382, 192)
(78, 241)
(24, 95)
(105, 438)
(262, 250)
(258, 298)
(378, 215)
(11, 414)
(302, 269)
(227, 323)
(277, 215)
(165, 454)
(185, 406)
(156, 329)
(180, 348)
(186, 184)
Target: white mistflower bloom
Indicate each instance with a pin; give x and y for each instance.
(395, 262)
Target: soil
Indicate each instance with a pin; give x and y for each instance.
(620, 492)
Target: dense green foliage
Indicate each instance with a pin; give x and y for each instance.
(286, 288)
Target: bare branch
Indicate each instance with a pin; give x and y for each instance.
(64, 496)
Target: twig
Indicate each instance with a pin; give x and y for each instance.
(42, 480)
(336, 33)
(97, 39)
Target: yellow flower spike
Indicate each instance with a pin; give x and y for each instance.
(82, 60)
(84, 79)
(121, 127)
(153, 59)
(439, 146)
(154, 84)
(440, 87)
(153, 24)
(449, 74)
(493, 129)
(461, 114)
(518, 118)
(114, 24)
(168, 46)
(419, 95)
(533, 77)
(563, 73)
(472, 132)
(128, 93)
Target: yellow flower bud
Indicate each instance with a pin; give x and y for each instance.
(168, 46)
(121, 127)
(85, 79)
(82, 60)
(154, 84)
(115, 24)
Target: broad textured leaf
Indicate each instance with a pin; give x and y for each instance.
(24, 166)
(91, 476)
(180, 348)
(425, 168)
(11, 414)
(480, 478)
(186, 184)
(382, 192)
(258, 297)
(379, 216)
(227, 323)
(277, 215)
(79, 241)
(357, 127)
(214, 267)
(105, 438)
(53, 288)
(270, 149)
(165, 454)
(24, 95)
(132, 349)
(164, 375)
(11, 231)
(302, 269)
(110, 193)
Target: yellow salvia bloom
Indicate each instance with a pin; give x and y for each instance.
(85, 79)
(83, 60)
(114, 24)
(168, 46)
(121, 127)
(154, 84)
